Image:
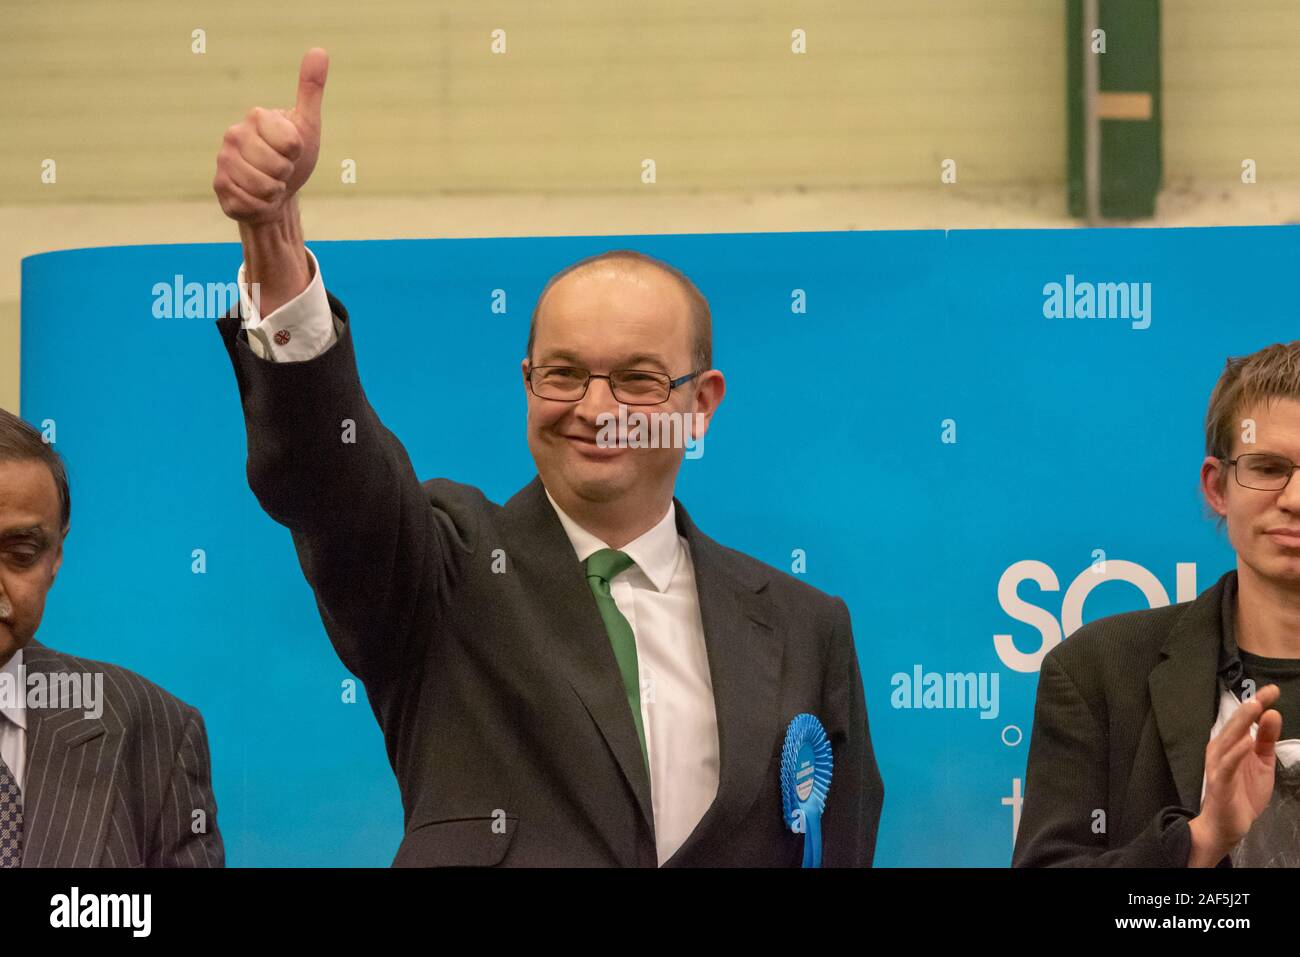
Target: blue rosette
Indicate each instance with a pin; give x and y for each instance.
(805, 778)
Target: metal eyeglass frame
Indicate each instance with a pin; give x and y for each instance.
(1271, 455)
(672, 383)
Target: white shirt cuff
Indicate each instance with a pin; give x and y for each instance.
(301, 329)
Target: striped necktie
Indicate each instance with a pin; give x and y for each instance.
(11, 819)
(602, 566)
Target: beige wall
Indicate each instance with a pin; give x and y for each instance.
(548, 139)
(586, 91)
(1232, 90)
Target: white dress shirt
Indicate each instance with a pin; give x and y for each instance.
(300, 329)
(657, 596)
(13, 720)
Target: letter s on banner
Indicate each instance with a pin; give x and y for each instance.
(1040, 618)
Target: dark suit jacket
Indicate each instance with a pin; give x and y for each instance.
(119, 790)
(1124, 711)
(498, 694)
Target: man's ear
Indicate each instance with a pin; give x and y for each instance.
(708, 394)
(1213, 488)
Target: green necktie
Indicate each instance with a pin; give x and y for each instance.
(602, 566)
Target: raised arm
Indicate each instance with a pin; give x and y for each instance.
(264, 161)
(380, 556)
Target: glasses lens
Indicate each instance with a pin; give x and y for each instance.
(639, 388)
(559, 382)
(1267, 472)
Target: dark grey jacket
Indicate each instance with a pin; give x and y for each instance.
(499, 695)
(1124, 711)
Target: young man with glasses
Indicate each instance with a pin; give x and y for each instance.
(1156, 733)
(580, 676)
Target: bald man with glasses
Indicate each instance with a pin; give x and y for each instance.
(577, 677)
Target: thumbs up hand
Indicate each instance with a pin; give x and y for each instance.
(267, 157)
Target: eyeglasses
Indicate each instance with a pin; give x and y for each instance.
(1262, 471)
(630, 386)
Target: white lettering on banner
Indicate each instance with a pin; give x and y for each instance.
(1052, 632)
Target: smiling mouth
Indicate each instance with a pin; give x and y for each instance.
(590, 449)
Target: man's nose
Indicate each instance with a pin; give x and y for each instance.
(1289, 497)
(599, 398)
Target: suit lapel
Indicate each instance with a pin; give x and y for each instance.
(1184, 690)
(745, 642)
(70, 772)
(546, 560)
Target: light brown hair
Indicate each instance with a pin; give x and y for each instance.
(1261, 377)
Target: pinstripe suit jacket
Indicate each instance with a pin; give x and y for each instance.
(119, 790)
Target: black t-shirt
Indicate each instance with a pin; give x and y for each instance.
(1274, 838)
(1285, 673)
